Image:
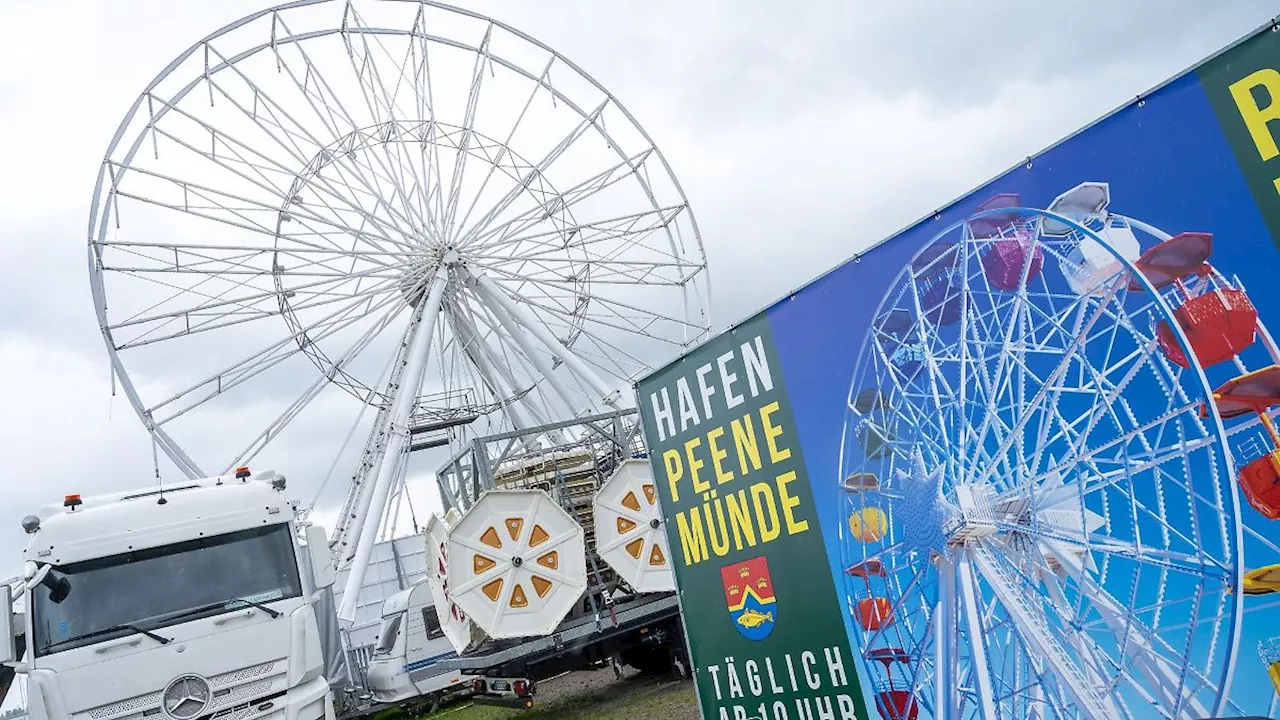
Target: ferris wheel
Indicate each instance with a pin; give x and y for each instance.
(1043, 518)
(396, 206)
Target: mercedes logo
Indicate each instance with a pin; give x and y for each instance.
(187, 697)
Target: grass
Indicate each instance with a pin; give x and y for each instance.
(637, 699)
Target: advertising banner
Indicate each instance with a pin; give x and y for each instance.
(1016, 461)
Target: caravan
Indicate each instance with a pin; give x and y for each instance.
(411, 644)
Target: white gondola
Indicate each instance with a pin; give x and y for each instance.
(629, 532)
(517, 563)
(458, 628)
(1090, 264)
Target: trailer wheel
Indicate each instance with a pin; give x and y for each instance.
(647, 659)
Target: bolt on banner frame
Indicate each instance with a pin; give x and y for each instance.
(1016, 460)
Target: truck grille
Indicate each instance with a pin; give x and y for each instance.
(228, 689)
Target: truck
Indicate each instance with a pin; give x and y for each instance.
(188, 600)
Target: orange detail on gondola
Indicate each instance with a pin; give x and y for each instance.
(875, 613)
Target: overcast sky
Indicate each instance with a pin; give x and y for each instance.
(800, 131)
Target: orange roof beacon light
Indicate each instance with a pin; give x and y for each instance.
(242, 473)
(72, 501)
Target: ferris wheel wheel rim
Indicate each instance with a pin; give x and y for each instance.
(1232, 495)
(108, 178)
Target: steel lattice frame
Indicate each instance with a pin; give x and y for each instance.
(414, 205)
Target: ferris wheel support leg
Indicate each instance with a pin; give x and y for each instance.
(944, 663)
(471, 346)
(556, 436)
(977, 638)
(1142, 647)
(612, 398)
(397, 436)
(1028, 620)
(517, 334)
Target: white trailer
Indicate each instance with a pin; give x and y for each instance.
(182, 601)
(406, 662)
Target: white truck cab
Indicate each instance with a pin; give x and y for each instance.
(190, 601)
(411, 644)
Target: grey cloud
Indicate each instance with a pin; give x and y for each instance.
(785, 128)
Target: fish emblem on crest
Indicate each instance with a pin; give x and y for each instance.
(748, 595)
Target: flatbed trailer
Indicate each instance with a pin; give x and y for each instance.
(612, 623)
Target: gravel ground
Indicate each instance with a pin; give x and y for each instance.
(596, 694)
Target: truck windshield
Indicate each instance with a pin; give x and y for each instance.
(162, 586)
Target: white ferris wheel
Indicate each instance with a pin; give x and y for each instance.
(397, 216)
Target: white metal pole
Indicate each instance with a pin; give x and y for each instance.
(494, 370)
(517, 333)
(944, 641)
(977, 643)
(612, 398)
(471, 348)
(397, 436)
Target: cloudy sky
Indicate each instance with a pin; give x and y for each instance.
(801, 132)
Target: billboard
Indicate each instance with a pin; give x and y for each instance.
(1017, 460)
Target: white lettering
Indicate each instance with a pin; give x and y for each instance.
(847, 711)
(835, 666)
(810, 677)
(757, 365)
(705, 390)
(727, 379)
(662, 415)
(688, 413)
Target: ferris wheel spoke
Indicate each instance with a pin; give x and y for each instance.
(232, 303)
(238, 149)
(433, 202)
(343, 160)
(311, 393)
(264, 359)
(1143, 646)
(543, 78)
(377, 100)
(636, 319)
(240, 215)
(536, 176)
(273, 110)
(1120, 441)
(1034, 405)
(468, 131)
(623, 234)
(562, 202)
(1036, 632)
(245, 311)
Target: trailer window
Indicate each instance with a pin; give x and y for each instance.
(432, 623)
(154, 588)
(388, 634)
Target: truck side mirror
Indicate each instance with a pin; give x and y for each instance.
(8, 631)
(323, 573)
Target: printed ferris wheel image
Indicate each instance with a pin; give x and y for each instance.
(1057, 426)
